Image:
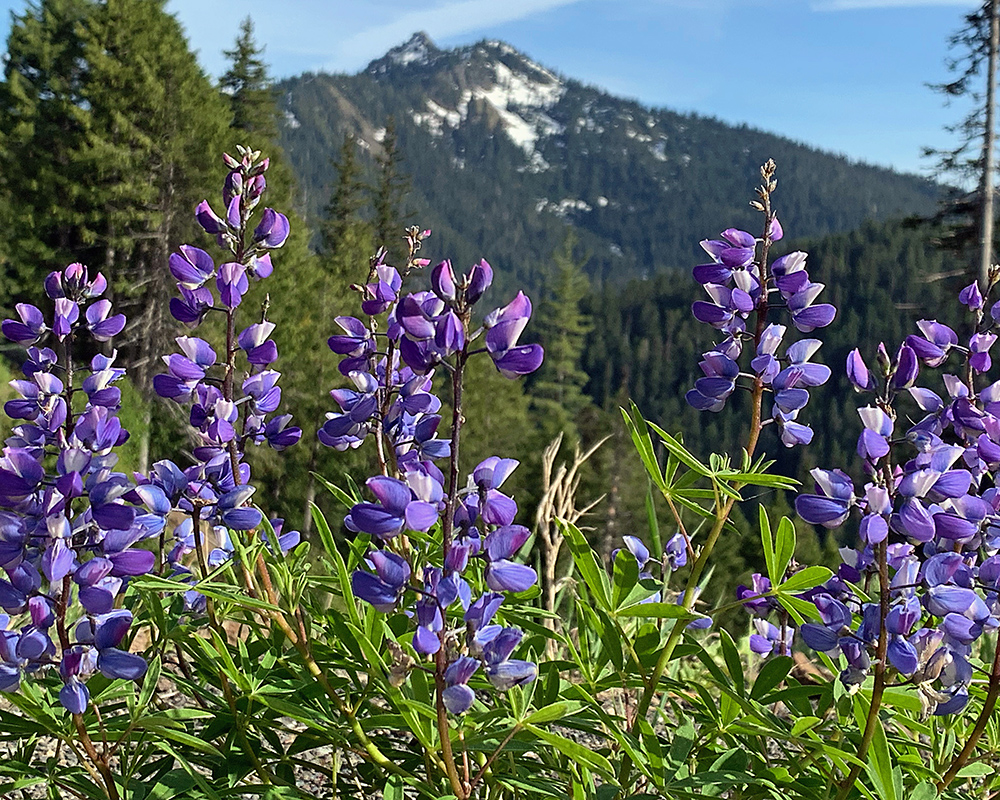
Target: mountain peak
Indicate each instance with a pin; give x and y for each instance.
(418, 49)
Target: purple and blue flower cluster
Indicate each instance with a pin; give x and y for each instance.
(392, 374)
(743, 288)
(226, 414)
(929, 516)
(71, 527)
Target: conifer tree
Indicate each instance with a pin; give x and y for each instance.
(389, 193)
(970, 215)
(301, 296)
(44, 121)
(346, 246)
(246, 83)
(562, 329)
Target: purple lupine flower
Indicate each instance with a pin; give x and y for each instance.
(458, 697)
(769, 638)
(384, 588)
(272, 230)
(192, 267)
(503, 329)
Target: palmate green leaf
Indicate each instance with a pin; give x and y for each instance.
(586, 562)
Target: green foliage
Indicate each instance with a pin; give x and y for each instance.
(246, 83)
(638, 186)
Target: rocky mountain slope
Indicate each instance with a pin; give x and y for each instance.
(506, 154)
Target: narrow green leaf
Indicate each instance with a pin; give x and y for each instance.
(767, 540)
(393, 788)
(808, 578)
(323, 529)
(773, 672)
(626, 576)
(552, 712)
(784, 549)
(638, 431)
(803, 724)
(675, 448)
(879, 766)
(343, 576)
(656, 610)
(586, 562)
(652, 521)
(149, 682)
(346, 500)
(925, 790)
(576, 752)
(733, 662)
(976, 770)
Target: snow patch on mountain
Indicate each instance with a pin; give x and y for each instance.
(417, 50)
(521, 102)
(563, 208)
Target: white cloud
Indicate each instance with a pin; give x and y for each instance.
(856, 5)
(442, 21)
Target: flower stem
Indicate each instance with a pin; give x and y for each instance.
(880, 667)
(979, 728)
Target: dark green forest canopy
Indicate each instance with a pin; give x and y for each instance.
(103, 163)
(639, 186)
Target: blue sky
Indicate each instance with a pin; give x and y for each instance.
(845, 75)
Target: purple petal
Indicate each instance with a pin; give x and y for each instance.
(114, 663)
(74, 696)
(903, 655)
(458, 698)
(504, 542)
(506, 576)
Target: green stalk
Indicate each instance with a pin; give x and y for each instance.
(980, 727)
(722, 512)
(880, 668)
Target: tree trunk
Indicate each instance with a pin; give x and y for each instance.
(989, 147)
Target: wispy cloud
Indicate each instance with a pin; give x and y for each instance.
(442, 21)
(855, 5)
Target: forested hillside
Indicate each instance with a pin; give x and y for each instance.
(110, 134)
(505, 155)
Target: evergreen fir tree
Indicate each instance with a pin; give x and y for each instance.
(389, 193)
(557, 390)
(44, 123)
(246, 83)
